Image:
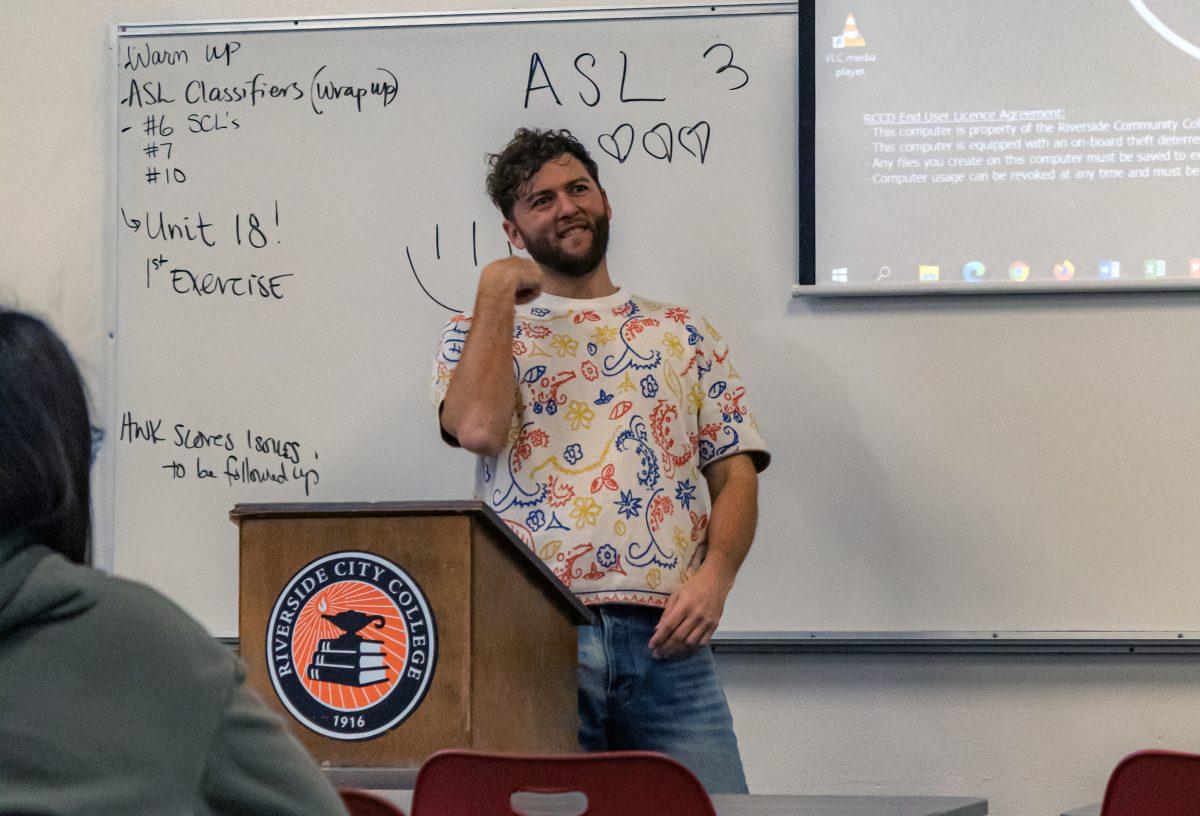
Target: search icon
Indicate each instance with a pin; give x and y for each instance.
(884, 272)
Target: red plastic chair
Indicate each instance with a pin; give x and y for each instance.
(617, 783)
(1154, 783)
(361, 803)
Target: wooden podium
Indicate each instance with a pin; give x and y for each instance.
(384, 632)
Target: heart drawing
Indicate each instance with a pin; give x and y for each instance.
(621, 141)
(698, 134)
(665, 147)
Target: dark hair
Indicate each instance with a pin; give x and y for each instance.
(45, 438)
(519, 161)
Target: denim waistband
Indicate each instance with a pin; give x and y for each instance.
(630, 613)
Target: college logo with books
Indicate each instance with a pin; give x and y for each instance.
(351, 645)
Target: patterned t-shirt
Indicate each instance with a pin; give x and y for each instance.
(620, 402)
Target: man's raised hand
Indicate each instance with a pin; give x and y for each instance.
(521, 276)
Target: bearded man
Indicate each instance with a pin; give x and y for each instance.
(613, 436)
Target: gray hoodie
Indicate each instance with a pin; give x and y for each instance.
(114, 701)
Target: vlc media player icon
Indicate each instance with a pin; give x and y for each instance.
(850, 37)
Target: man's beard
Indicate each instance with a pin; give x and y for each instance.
(551, 255)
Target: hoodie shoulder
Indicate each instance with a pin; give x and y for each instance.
(120, 616)
(39, 585)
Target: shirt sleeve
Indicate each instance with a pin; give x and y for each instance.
(449, 352)
(257, 768)
(726, 424)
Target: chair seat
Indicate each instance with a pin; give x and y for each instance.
(615, 783)
(1154, 783)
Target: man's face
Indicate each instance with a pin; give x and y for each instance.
(561, 218)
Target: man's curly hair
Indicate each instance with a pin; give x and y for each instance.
(519, 161)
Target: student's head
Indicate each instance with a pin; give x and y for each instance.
(45, 438)
(548, 188)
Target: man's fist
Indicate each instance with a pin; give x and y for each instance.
(520, 276)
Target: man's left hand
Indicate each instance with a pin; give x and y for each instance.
(694, 610)
(691, 615)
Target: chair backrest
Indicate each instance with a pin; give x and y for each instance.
(617, 783)
(361, 803)
(1154, 783)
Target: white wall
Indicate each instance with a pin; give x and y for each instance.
(1033, 734)
(1036, 735)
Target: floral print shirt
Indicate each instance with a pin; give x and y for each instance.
(620, 404)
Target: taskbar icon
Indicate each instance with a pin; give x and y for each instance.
(1063, 271)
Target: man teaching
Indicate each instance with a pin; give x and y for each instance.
(613, 437)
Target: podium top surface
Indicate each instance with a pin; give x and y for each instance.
(575, 610)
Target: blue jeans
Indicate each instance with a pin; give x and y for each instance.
(630, 701)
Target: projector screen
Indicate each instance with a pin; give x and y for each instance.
(966, 146)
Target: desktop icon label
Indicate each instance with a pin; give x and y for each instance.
(1019, 271)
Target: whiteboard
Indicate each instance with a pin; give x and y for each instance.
(939, 464)
(287, 263)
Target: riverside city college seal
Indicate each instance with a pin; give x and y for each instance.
(351, 645)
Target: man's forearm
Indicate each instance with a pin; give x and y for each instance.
(694, 611)
(478, 406)
(733, 517)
